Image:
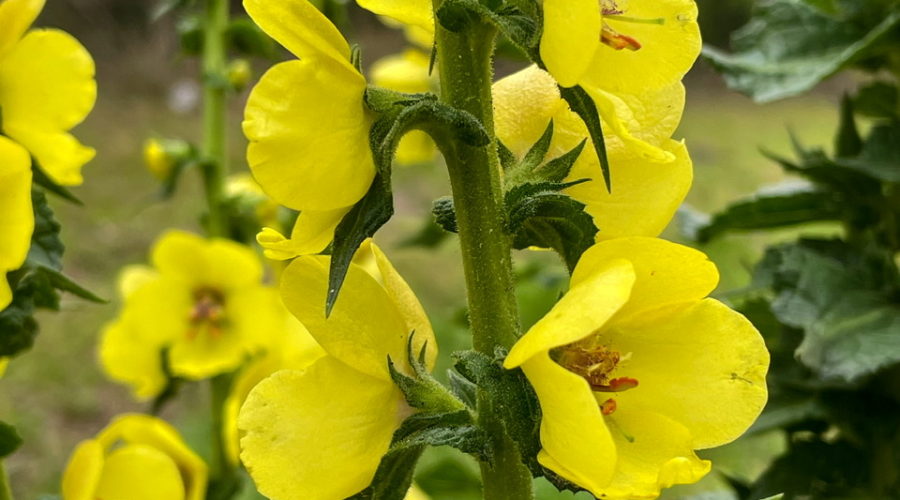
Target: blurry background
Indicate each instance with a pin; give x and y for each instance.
(56, 393)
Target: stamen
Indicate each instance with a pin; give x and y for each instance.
(620, 384)
(208, 313)
(617, 40)
(608, 407)
(637, 20)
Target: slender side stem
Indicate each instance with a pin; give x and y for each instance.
(5, 490)
(465, 65)
(214, 112)
(224, 480)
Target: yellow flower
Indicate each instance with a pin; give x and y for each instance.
(202, 303)
(645, 193)
(635, 369)
(16, 214)
(306, 121)
(47, 87)
(408, 72)
(293, 348)
(321, 432)
(418, 13)
(137, 457)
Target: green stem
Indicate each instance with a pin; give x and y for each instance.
(465, 65)
(215, 166)
(224, 480)
(5, 490)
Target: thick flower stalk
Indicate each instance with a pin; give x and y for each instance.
(335, 419)
(136, 457)
(635, 368)
(200, 310)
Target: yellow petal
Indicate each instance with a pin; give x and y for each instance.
(301, 28)
(313, 232)
(366, 325)
(585, 308)
(667, 50)
(700, 364)
(83, 471)
(140, 472)
(666, 272)
(47, 87)
(570, 38)
(126, 357)
(407, 304)
(576, 442)
(614, 112)
(524, 103)
(654, 452)
(309, 135)
(16, 214)
(155, 433)
(216, 263)
(413, 12)
(405, 72)
(645, 194)
(15, 17)
(133, 277)
(317, 434)
(415, 148)
(159, 311)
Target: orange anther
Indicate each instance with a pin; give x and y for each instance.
(608, 407)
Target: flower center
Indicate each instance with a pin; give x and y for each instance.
(208, 312)
(615, 10)
(595, 364)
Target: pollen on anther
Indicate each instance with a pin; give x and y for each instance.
(608, 407)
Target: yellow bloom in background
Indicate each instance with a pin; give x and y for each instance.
(137, 457)
(321, 432)
(202, 303)
(16, 213)
(242, 187)
(635, 369)
(47, 87)
(645, 193)
(418, 13)
(306, 121)
(408, 72)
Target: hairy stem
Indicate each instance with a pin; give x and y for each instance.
(465, 65)
(215, 166)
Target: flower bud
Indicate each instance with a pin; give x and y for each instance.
(136, 457)
(239, 74)
(162, 155)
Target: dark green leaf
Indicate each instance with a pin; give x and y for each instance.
(880, 156)
(364, 219)
(46, 247)
(9, 440)
(848, 142)
(516, 24)
(63, 283)
(17, 325)
(766, 211)
(462, 388)
(790, 46)
(535, 156)
(507, 157)
(878, 100)
(393, 477)
(582, 104)
(42, 179)
(815, 469)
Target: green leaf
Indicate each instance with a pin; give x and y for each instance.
(542, 217)
(516, 24)
(10, 441)
(790, 46)
(880, 158)
(582, 104)
(17, 325)
(766, 211)
(454, 429)
(245, 37)
(63, 283)
(848, 141)
(46, 246)
(393, 477)
(43, 180)
(815, 469)
(362, 221)
(844, 301)
(878, 100)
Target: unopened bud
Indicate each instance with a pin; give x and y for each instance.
(162, 155)
(239, 74)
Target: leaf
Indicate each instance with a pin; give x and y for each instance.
(845, 302)
(393, 477)
(790, 46)
(46, 246)
(848, 142)
(549, 219)
(41, 178)
(880, 157)
(878, 100)
(815, 469)
(582, 104)
(766, 211)
(245, 37)
(63, 283)
(365, 218)
(455, 429)
(516, 24)
(10, 441)
(17, 325)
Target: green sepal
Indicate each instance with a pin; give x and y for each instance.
(244, 37)
(533, 169)
(582, 104)
(10, 441)
(515, 23)
(43, 180)
(393, 477)
(421, 390)
(767, 211)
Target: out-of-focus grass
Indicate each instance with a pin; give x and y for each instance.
(56, 393)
